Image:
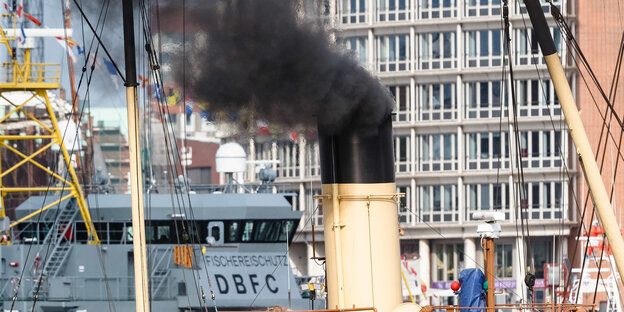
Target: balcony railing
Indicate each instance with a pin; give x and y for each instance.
(29, 76)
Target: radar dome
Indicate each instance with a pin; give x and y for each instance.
(231, 157)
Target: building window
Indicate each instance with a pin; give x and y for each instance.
(353, 11)
(402, 153)
(358, 47)
(542, 249)
(487, 150)
(504, 261)
(537, 98)
(393, 51)
(288, 155)
(439, 203)
(402, 100)
(405, 203)
(393, 10)
(519, 7)
(483, 99)
(438, 50)
(313, 167)
(201, 175)
(438, 8)
(527, 47)
(545, 200)
(438, 152)
(449, 259)
(542, 148)
(313, 211)
(438, 102)
(483, 8)
(487, 197)
(483, 48)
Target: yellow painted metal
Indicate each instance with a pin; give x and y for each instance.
(369, 248)
(37, 78)
(585, 153)
(409, 291)
(29, 115)
(40, 166)
(25, 160)
(2, 193)
(54, 203)
(82, 204)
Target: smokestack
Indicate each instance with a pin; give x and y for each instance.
(361, 221)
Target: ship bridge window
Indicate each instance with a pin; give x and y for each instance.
(268, 231)
(247, 231)
(259, 231)
(232, 229)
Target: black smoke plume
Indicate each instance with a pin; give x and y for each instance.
(264, 57)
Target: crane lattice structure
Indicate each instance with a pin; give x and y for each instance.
(35, 80)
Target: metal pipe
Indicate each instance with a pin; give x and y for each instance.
(337, 227)
(585, 154)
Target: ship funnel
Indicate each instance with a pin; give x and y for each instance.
(360, 213)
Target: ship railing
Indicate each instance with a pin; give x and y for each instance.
(29, 75)
(517, 307)
(282, 309)
(77, 288)
(195, 188)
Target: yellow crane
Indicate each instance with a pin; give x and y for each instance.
(19, 75)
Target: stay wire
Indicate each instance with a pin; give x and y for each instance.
(171, 146)
(520, 164)
(554, 9)
(175, 200)
(50, 182)
(66, 173)
(100, 41)
(566, 170)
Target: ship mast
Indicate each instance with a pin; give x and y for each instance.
(138, 217)
(577, 132)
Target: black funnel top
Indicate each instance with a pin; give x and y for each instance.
(356, 156)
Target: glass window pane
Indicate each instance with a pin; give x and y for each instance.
(435, 45)
(496, 42)
(448, 147)
(448, 95)
(485, 196)
(436, 198)
(448, 45)
(426, 199)
(426, 147)
(483, 50)
(436, 96)
(436, 147)
(448, 192)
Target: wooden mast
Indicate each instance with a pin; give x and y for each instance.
(583, 148)
(136, 182)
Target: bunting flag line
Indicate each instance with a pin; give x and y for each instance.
(144, 81)
(112, 71)
(157, 92)
(32, 19)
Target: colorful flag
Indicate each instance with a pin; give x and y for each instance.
(110, 67)
(293, 136)
(32, 19)
(157, 92)
(144, 81)
(263, 127)
(112, 71)
(22, 37)
(173, 98)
